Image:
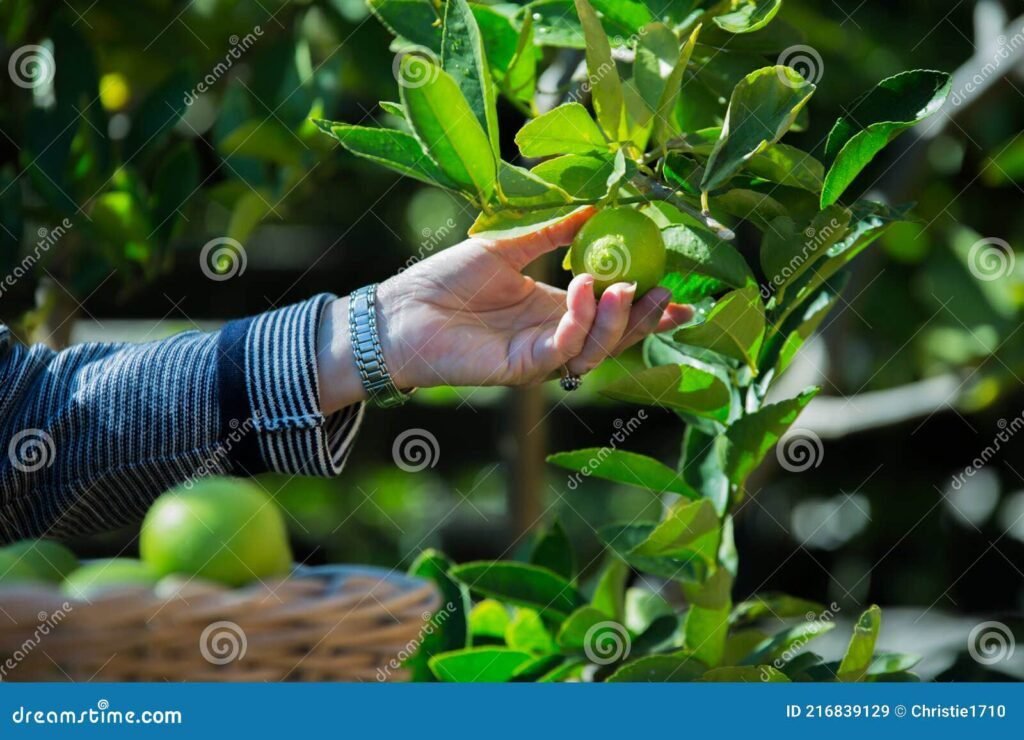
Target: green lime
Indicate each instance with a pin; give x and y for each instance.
(619, 245)
(50, 560)
(220, 529)
(14, 570)
(100, 575)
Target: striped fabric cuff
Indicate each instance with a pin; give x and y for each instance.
(270, 396)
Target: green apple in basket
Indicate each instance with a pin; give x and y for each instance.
(220, 529)
(107, 574)
(41, 561)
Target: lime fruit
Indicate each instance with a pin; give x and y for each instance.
(50, 560)
(14, 570)
(619, 245)
(102, 575)
(223, 530)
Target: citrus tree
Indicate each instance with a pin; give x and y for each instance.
(685, 120)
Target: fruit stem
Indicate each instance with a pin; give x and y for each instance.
(654, 190)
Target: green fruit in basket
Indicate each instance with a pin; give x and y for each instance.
(220, 529)
(104, 575)
(50, 560)
(14, 570)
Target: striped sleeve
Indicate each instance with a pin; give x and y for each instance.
(91, 435)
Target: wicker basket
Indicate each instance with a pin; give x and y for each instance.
(333, 623)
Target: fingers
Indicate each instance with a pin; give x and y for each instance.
(570, 335)
(522, 250)
(653, 313)
(613, 312)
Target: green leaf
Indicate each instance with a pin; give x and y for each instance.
(661, 634)
(665, 125)
(684, 529)
(678, 387)
(574, 632)
(781, 642)
(121, 219)
(267, 140)
(488, 621)
(526, 632)
(746, 16)
(695, 250)
(605, 85)
(512, 223)
(584, 177)
(453, 633)
(623, 467)
(750, 205)
(734, 327)
(861, 649)
(609, 593)
(752, 436)
(538, 667)
(787, 165)
(567, 129)
(763, 107)
(463, 57)
(814, 313)
(622, 538)
(706, 628)
(644, 607)
(553, 551)
(447, 128)
(787, 253)
(520, 81)
(248, 213)
(628, 15)
(701, 466)
(396, 150)
(745, 674)
(895, 105)
(522, 188)
(774, 606)
(659, 669)
(522, 585)
(478, 665)
(415, 20)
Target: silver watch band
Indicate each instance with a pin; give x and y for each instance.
(362, 321)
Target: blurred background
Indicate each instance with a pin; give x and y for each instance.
(913, 496)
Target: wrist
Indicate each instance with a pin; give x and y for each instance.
(392, 330)
(340, 384)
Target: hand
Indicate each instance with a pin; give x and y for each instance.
(468, 316)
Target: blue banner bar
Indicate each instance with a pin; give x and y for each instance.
(530, 711)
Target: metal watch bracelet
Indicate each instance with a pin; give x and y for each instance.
(369, 356)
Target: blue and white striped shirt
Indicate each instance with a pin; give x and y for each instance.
(91, 435)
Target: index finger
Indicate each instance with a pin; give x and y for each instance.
(522, 250)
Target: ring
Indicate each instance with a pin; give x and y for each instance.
(569, 381)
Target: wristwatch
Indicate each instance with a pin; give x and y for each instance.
(373, 372)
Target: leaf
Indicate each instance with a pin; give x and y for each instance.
(763, 107)
(603, 76)
(538, 667)
(734, 327)
(629, 15)
(811, 319)
(521, 584)
(573, 633)
(701, 466)
(781, 642)
(512, 223)
(680, 387)
(752, 436)
(644, 607)
(659, 669)
(582, 176)
(750, 205)
(657, 52)
(415, 20)
(621, 466)
(488, 621)
(553, 551)
(622, 538)
(683, 529)
(773, 606)
(787, 165)
(861, 649)
(446, 127)
(248, 213)
(268, 140)
(520, 82)
(665, 126)
(787, 253)
(567, 129)
(478, 665)
(747, 16)
(522, 188)
(526, 632)
(609, 593)
(396, 150)
(745, 674)
(464, 58)
(695, 250)
(662, 633)
(706, 628)
(895, 105)
(120, 218)
(453, 633)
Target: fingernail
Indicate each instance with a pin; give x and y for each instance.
(680, 313)
(630, 291)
